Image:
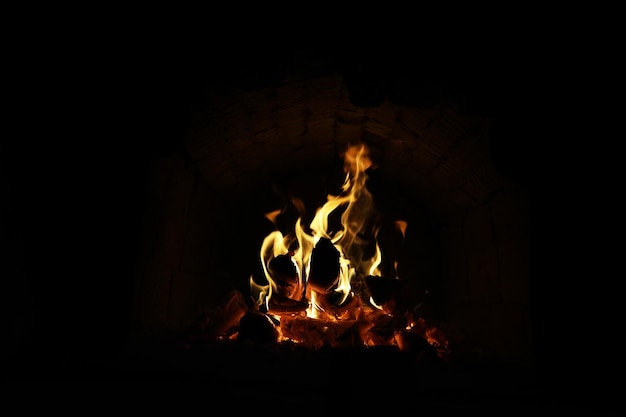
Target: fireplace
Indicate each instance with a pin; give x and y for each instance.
(187, 215)
(462, 256)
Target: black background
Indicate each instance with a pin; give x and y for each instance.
(88, 115)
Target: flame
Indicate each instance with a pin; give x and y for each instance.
(357, 208)
(314, 303)
(401, 226)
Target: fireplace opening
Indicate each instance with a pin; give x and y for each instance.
(452, 286)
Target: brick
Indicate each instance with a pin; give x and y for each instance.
(203, 201)
(454, 263)
(159, 174)
(195, 255)
(482, 271)
(478, 229)
(510, 216)
(451, 203)
(152, 297)
(414, 120)
(347, 133)
(453, 169)
(472, 322)
(169, 242)
(183, 305)
(179, 192)
(511, 328)
(244, 156)
(514, 270)
(422, 158)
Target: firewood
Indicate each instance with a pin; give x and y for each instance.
(280, 304)
(283, 268)
(386, 292)
(416, 346)
(334, 305)
(325, 266)
(304, 330)
(382, 289)
(432, 333)
(257, 327)
(229, 315)
(382, 328)
(285, 274)
(315, 333)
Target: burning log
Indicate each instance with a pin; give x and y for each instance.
(382, 329)
(221, 320)
(325, 267)
(257, 327)
(316, 333)
(434, 335)
(386, 292)
(280, 304)
(335, 307)
(417, 347)
(285, 274)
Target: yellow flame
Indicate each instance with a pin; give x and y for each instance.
(358, 208)
(260, 293)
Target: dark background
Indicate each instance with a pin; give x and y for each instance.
(88, 117)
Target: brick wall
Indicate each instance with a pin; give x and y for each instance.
(170, 279)
(486, 278)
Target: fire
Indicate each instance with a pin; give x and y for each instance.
(324, 285)
(319, 263)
